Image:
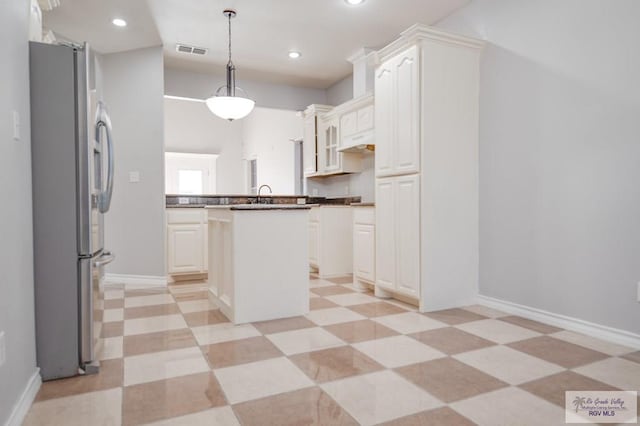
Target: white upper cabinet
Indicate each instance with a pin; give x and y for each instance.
(309, 160)
(312, 143)
(397, 115)
(329, 158)
(406, 158)
(384, 119)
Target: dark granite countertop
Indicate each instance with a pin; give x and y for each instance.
(262, 207)
(200, 201)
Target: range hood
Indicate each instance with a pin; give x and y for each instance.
(360, 142)
(363, 85)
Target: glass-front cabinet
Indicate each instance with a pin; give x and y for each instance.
(330, 145)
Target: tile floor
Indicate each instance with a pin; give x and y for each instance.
(171, 358)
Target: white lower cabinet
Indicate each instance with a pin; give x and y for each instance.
(364, 245)
(187, 239)
(397, 259)
(314, 240)
(331, 240)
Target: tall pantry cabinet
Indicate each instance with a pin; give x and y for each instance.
(426, 165)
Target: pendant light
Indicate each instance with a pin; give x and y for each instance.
(225, 103)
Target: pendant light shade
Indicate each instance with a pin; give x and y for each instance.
(225, 103)
(230, 107)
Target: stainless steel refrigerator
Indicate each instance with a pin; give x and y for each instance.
(72, 161)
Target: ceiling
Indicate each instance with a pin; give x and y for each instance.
(326, 32)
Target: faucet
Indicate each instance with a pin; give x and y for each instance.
(260, 189)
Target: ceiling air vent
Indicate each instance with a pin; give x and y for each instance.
(184, 48)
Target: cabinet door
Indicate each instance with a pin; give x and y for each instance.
(385, 234)
(364, 252)
(309, 147)
(365, 118)
(185, 248)
(384, 119)
(349, 124)
(406, 155)
(314, 243)
(205, 245)
(330, 157)
(407, 216)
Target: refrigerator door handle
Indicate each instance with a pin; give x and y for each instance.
(106, 258)
(103, 120)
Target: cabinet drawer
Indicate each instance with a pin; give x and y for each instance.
(364, 215)
(185, 215)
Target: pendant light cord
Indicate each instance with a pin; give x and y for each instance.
(229, 16)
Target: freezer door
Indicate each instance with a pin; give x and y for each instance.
(91, 308)
(90, 301)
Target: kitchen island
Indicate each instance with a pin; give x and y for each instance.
(258, 260)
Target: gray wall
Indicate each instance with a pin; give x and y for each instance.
(560, 155)
(134, 229)
(341, 91)
(16, 243)
(269, 95)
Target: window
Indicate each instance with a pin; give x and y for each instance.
(190, 181)
(190, 174)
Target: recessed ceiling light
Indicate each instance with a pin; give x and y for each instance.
(354, 2)
(119, 22)
(294, 54)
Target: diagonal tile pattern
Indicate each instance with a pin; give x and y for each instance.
(170, 357)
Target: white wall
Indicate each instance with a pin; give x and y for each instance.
(16, 244)
(560, 155)
(190, 127)
(134, 227)
(266, 133)
(269, 95)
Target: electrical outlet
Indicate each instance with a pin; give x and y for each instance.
(3, 349)
(134, 177)
(183, 200)
(301, 201)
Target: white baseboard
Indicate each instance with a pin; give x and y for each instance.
(29, 393)
(598, 331)
(133, 281)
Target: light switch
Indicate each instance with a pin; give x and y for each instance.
(134, 177)
(16, 125)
